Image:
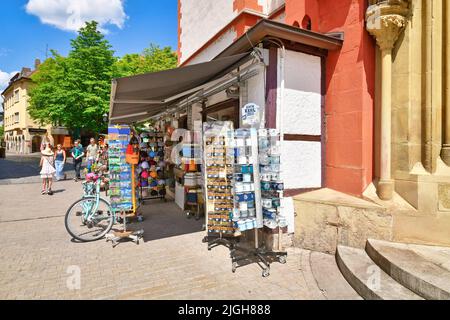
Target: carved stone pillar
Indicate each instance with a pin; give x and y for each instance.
(446, 137)
(385, 21)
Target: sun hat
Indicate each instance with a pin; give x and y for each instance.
(145, 165)
(47, 151)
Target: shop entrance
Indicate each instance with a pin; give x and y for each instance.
(36, 144)
(224, 111)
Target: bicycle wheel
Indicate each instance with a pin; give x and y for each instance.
(85, 225)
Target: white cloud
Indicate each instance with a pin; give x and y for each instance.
(4, 81)
(71, 15)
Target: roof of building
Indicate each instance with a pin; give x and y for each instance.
(24, 74)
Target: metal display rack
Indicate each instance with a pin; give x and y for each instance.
(159, 149)
(218, 164)
(238, 179)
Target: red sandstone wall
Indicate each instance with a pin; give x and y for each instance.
(350, 90)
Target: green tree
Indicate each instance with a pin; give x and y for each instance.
(152, 59)
(74, 91)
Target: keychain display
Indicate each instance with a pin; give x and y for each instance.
(219, 173)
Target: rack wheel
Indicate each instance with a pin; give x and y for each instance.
(266, 273)
(233, 267)
(282, 259)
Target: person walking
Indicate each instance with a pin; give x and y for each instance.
(77, 154)
(91, 154)
(60, 160)
(48, 170)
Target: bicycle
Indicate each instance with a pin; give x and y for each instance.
(92, 217)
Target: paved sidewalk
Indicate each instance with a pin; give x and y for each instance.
(39, 260)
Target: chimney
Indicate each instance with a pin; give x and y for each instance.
(37, 63)
(25, 72)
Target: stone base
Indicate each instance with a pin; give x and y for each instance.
(445, 155)
(385, 189)
(327, 218)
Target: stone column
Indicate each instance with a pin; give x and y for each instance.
(385, 21)
(445, 154)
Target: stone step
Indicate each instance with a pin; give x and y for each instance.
(422, 269)
(368, 279)
(329, 278)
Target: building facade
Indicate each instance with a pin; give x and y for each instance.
(22, 134)
(367, 120)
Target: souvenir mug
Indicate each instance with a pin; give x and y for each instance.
(252, 213)
(275, 168)
(247, 177)
(244, 214)
(242, 160)
(250, 224)
(239, 187)
(266, 203)
(276, 202)
(278, 186)
(243, 206)
(274, 132)
(264, 159)
(274, 159)
(266, 176)
(240, 142)
(239, 177)
(263, 143)
(262, 132)
(265, 185)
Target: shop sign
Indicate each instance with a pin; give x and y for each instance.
(37, 131)
(250, 114)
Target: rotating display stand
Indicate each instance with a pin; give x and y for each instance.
(218, 159)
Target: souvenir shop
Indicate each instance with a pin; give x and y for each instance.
(229, 140)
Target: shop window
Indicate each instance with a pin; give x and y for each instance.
(16, 96)
(16, 117)
(306, 23)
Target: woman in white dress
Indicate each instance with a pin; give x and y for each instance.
(48, 170)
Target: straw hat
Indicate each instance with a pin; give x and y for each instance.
(47, 151)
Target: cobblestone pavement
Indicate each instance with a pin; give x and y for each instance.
(39, 259)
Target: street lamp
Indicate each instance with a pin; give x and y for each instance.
(105, 118)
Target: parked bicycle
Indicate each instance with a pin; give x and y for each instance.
(91, 217)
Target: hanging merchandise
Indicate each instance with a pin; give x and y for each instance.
(219, 171)
(120, 185)
(272, 186)
(151, 169)
(247, 213)
(132, 153)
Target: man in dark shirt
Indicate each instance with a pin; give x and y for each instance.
(77, 154)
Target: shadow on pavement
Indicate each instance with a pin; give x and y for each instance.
(25, 166)
(164, 220)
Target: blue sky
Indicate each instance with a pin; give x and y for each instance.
(29, 26)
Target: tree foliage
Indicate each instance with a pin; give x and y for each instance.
(74, 91)
(152, 59)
